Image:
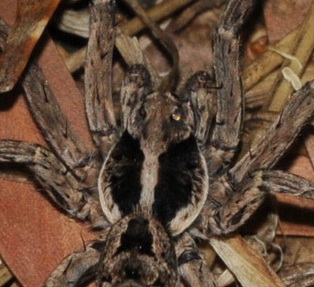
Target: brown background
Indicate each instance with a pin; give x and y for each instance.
(34, 236)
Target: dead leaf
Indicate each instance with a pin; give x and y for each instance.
(31, 20)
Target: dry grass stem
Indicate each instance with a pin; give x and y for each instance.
(5, 275)
(259, 71)
(248, 266)
(157, 13)
(302, 49)
(130, 49)
(268, 62)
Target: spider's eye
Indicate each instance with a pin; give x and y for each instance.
(176, 115)
(142, 112)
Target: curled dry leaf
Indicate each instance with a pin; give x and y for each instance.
(31, 20)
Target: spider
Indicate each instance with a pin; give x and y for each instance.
(168, 174)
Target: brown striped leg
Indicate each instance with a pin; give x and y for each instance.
(228, 121)
(298, 112)
(78, 268)
(192, 266)
(98, 75)
(62, 187)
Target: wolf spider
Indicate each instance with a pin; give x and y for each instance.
(167, 174)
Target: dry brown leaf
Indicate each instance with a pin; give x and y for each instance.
(282, 16)
(31, 20)
(34, 235)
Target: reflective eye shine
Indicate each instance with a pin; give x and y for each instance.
(177, 115)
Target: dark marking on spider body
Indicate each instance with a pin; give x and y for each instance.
(182, 177)
(122, 171)
(137, 237)
(138, 252)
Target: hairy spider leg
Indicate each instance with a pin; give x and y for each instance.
(67, 176)
(98, 76)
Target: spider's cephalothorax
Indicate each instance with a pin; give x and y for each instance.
(138, 252)
(156, 163)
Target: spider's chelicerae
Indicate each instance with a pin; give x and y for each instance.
(167, 174)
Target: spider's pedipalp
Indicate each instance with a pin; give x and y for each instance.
(136, 85)
(200, 90)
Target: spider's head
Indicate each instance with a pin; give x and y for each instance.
(138, 253)
(158, 120)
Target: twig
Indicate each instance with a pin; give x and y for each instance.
(248, 266)
(5, 275)
(171, 80)
(157, 13)
(268, 62)
(261, 74)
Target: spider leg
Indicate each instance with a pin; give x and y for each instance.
(78, 268)
(227, 128)
(98, 75)
(62, 187)
(238, 208)
(277, 181)
(48, 115)
(52, 122)
(226, 210)
(298, 275)
(192, 266)
(278, 138)
(228, 207)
